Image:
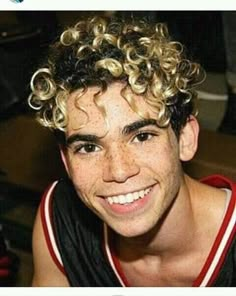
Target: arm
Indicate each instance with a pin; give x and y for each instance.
(46, 273)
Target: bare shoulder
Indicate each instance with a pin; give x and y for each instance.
(46, 273)
(209, 205)
(206, 196)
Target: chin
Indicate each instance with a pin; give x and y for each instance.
(133, 229)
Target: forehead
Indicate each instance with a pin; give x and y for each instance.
(84, 112)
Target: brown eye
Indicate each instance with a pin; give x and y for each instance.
(87, 148)
(143, 137)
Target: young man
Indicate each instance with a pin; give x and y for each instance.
(120, 98)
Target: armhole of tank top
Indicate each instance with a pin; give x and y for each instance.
(110, 258)
(48, 229)
(221, 245)
(228, 198)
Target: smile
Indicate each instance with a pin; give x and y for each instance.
(128, 198)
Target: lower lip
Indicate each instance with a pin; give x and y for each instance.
(130, 207)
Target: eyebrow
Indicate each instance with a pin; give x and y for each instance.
(128, 129)
(79, 137)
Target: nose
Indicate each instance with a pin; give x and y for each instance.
(119, 166)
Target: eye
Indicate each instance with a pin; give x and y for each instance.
(141, 137)
(87, 148)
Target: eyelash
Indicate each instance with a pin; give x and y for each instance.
(84, 145)
(150, 135)
(78, 149)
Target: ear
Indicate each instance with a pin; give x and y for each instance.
(188, 141)
(64, 159)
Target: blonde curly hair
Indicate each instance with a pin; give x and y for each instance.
(100, 51)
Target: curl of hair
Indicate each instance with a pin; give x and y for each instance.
(100, 51)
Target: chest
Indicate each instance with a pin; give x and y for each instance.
(181, 273)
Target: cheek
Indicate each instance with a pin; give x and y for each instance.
(163, 160)
(84, 175)
(172, 174)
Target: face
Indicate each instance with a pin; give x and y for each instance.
(125, 168)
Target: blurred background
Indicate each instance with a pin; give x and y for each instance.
(29, 157)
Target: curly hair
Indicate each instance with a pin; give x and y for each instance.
(100, 51)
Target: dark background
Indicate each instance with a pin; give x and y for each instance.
(29, 157)
(25, 37)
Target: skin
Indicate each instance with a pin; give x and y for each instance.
(122, 163)
(166, 231)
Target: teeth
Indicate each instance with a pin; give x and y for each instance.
(121, 199)
(128, 198)
(115, 199)
(110, 200)
(136, 195)
(146, 191)
(141, 194)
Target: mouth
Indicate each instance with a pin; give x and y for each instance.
(125, 199)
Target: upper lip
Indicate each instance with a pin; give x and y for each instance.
(125, 193)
